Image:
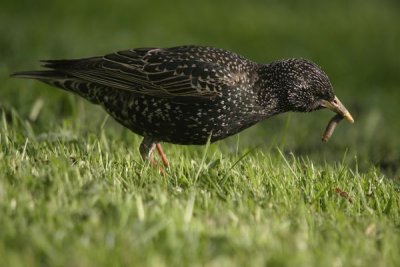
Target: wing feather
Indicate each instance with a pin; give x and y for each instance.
(173, 72)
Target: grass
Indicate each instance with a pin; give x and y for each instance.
(74, 192)
(92, 202)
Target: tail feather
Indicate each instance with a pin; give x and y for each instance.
(58, 75)
(64, 64)
(42, 75)
(51, 77)
(64, 81)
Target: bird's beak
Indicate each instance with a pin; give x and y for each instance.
(337, 106)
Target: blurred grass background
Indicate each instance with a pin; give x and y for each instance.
(107, 208)
(355, 42)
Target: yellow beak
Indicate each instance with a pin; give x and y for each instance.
(337, 106)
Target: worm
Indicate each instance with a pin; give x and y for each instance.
(331, 127)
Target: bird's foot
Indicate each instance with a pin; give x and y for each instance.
(146, 151)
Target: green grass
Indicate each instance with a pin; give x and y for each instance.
(74, 192)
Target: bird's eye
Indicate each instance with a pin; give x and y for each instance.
(334, 101)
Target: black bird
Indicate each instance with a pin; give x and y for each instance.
(187, 94)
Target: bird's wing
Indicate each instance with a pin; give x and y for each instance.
(156, 72)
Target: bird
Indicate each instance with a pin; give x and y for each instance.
(191, 94)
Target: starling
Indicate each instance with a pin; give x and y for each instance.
(188, 94)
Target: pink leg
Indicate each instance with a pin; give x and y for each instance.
(162, 155)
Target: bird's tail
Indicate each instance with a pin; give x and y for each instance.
(52, 77)
(61, 80)
(42, 75)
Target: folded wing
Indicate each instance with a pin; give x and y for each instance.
(153, 71)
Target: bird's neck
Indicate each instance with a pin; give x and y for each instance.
(272, 93)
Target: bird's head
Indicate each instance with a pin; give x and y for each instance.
(300, 85)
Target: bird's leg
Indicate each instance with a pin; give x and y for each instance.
(162, 155)
(146, 150)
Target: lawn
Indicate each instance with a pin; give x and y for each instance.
(74, 191)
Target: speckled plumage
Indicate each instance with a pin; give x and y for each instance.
(184, 94)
